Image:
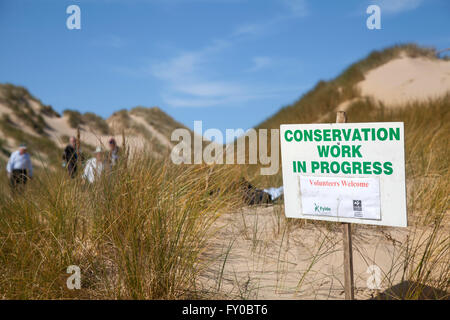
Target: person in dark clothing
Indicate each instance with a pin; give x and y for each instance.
(70, 157)
(19, 177)
(252, 195)
(113, 152)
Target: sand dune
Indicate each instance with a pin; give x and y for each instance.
(255, 255)
(59, 127)
(407, 79)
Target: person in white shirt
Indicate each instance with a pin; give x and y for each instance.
(274, 193)
(94, 166)
(19, 167)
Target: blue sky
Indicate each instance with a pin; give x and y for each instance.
(229, 63)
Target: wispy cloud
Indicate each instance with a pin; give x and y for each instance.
(188, 82)
(397, 6)
(112, 41)
(161, 2)
(232, 98)
(297, 7)
(290, 9)
(260, 63)
(185, 65)
(210, 89)
(188, 78)
(248, 29)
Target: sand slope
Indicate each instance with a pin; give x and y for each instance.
(255, 254)
(59, 127)
(407, 79)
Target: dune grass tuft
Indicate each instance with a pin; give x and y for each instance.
(137, 233)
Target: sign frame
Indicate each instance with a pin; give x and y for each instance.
(392, 187)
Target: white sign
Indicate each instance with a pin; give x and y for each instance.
(341, 197)
(345, 172)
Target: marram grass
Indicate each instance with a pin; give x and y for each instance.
(137, 233)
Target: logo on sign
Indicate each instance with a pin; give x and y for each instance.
(320, 209)
(357, 205)
(357, 208)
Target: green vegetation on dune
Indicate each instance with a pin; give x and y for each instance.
(90, 119)
(158, 119)
(154, 117)
(123, 116)
(41, 147)
(75, 118)
(138, 233)
(322, 100)
(3, 149)
(49, 111)
(17, 99)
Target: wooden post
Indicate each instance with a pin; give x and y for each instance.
(78, 164)
(125, 149)
(349, 289)
(77, 146)
(348, 262)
